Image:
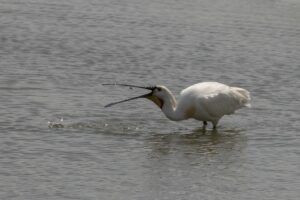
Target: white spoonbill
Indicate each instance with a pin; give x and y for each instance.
(206, 101)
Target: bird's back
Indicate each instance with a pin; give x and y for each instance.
(212, 100)
(204, 88)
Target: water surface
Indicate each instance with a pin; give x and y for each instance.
(55, 55)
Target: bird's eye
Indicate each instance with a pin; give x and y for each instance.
(159, 89)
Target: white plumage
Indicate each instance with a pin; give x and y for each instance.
(206, 101)
(212, 100)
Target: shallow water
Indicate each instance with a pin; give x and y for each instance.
(55, 55)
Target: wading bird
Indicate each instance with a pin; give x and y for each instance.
(206, 101)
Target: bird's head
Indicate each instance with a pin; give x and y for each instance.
(157, 94)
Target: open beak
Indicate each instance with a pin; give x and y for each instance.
(148, 96)
(142, 96)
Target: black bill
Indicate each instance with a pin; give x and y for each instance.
(128, 85)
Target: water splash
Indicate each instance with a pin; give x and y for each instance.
(113, 127)
(56, 124)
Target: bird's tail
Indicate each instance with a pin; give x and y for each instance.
(242, 96)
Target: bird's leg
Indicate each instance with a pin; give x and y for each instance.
(204, 124)
(214, 124)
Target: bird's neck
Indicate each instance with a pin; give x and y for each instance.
(170, 108)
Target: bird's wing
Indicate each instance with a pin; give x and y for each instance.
(218, 104)
(204, 88)
(216, 99)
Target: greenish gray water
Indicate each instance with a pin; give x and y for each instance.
(55, 55)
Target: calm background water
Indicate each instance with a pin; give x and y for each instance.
(54, 56)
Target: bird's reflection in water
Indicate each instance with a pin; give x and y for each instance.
(198, 141)
(177, 159)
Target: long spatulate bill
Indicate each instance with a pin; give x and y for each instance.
(114, 103)
(129, 85)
